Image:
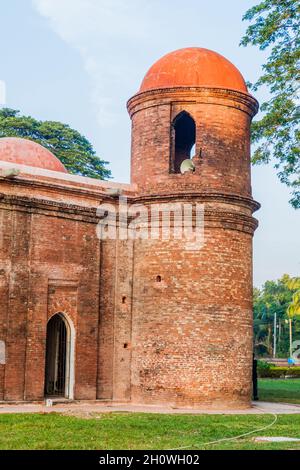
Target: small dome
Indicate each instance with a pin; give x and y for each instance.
(27, 152)
(193, 67)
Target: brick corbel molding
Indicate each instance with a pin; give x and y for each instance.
(219, 96)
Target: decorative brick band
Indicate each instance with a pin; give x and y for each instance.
(243, 101)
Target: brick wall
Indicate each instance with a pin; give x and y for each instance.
(50, 265)
(222, 133)
(192, 332)
(153, 322)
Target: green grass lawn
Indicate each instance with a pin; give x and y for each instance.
(279, 390)
(141, 431)
(153, 431)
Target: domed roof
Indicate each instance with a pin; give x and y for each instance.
(27, 152)
(193, 67)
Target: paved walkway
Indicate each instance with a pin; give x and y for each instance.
(87, 408)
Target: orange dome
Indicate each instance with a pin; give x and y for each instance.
(193, 67)
(27, 152)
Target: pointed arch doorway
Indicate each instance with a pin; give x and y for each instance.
(59, 367)
(183, 140)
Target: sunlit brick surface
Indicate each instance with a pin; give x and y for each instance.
(154, 323)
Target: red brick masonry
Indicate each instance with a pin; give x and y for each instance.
(154, 323)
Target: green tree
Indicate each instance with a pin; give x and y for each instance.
(275, 24)
(274, 296)
(294, 307)
(68, 145)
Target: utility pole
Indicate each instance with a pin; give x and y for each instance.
(291, 338)
(275, 335)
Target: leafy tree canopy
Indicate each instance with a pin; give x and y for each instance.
(275, 24)
(294, 308)
(68, 145)
(275, 297)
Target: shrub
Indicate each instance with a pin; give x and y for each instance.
(274, 372)
(263, 366)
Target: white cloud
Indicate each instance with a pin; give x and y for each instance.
(77, 20)
(97, 29)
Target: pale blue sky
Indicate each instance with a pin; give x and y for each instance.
(79, 61)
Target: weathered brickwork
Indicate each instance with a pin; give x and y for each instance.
(149, 320)
(222, 134)
(193, 336)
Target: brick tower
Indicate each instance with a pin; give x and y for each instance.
(140, 320)
(192, 310)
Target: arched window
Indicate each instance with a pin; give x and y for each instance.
(183, 140)
(59, 370)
